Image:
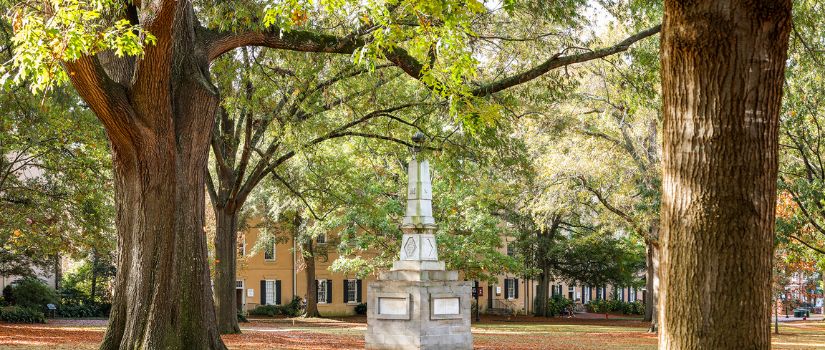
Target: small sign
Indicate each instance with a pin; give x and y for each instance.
(498, 290)
(250, 292)
(51, 307)
(480, 292)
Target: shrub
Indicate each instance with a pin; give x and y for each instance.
(30, 293)
(606, 306)
(557, 305)
(361, 309)
(266, 310)
(293, 308)
(19, 314)
(241, 317)
(84, 310)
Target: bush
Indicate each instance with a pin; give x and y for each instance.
(84, 310)
(607, 306)
(30, 293)
(266, 310)
(241, 317)
(361, 309)
(19, 314)
(291, 309)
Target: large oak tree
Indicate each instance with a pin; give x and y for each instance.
(723, 65)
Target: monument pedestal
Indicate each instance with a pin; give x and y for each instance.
(419, 314)
(418, 304)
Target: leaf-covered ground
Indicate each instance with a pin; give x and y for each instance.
(522, 333)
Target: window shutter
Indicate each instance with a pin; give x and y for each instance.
(515, 282)
(358, 290)
(278, 292)
(317, 292)
(263, 292)
(329, 291)
(506, 288)
(346, 289)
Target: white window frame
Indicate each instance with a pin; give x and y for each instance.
(352, 288)
(274, 252)
(510, 293)
(322, 286)
(243, 244)
(322, 237)
(271, 289)
(631, 294)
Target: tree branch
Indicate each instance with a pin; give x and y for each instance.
(106, 98)
(559, 61)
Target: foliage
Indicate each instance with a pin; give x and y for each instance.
(76, 286)
(55, 193)
(266, 310)
(242, 317)
(608, 306)
(71, 310)
(48, 32)
(557, 305)
(21, 314)
(291, 309)
(31, 293)
(361, 309)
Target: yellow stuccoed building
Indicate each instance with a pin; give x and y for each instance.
(276, 275)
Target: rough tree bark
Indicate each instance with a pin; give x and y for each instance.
(226, 251)
(93, 292)
(722, 74)
(308, 252)
(157, 113)
(652, 286)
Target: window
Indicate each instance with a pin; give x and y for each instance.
(322, 239)
(322, 291)
(511, 288)
(351, 291)
(511, 249)
(631, 294)
(239, 284)
(270, 251)
(270, 292)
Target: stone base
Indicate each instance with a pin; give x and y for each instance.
(418, 265)
(419, 314)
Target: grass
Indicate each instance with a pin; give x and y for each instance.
(524, 333)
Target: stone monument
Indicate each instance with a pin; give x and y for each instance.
(418, 304)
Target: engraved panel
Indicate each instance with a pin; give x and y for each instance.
(446, 306)
(392, 306)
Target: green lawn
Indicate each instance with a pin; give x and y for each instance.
(347, 333)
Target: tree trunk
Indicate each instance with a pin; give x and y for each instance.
(652, 286)
(722, 74)
(158, 113)
(542, 291)
(226, 251)
(94, 277)
(58, 273)
(312, 285)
